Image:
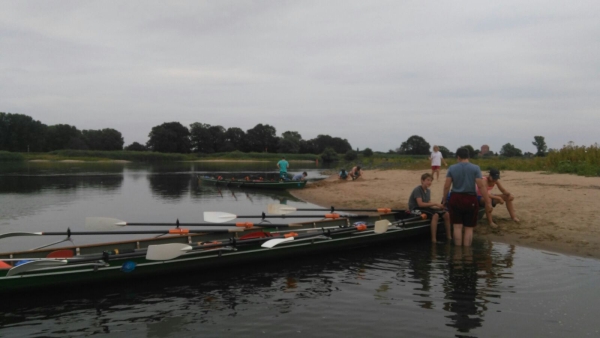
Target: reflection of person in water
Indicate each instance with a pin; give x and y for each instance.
(462, 281)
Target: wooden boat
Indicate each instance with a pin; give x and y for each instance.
(254, 184)
(123, 261)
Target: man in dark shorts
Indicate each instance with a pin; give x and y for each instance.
(463, 205)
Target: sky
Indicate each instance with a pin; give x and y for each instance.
(372, 72)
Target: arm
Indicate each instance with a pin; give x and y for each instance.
(447, 185)
(484, 193)
(446, 164)
(501, 188)
(428, 204)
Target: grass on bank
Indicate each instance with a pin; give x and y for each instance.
(579, 160)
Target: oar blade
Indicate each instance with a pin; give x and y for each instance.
(272, 242)
(33, 265)
(164, 252)
(218, 217)
(280, 209)
(103, 223)
(382, 226)
(15, 234)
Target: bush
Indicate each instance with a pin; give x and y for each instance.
(350, 155)
(329, 155)
(367, 152)
(6, 156)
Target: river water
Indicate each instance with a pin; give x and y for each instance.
(401, 289)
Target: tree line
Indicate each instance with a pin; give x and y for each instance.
(21, 133)
(416, 145)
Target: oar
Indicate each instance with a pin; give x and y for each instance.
(220, 217)
(104, 222)
(165, 252)
(69, 233)
(33, 265)
(282, 209)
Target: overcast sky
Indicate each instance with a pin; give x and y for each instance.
(373, 72)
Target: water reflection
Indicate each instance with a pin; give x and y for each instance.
(170, 187)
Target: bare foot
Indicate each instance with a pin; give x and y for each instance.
(493, 225)
(517, 220)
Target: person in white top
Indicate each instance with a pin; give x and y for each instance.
(436, 161)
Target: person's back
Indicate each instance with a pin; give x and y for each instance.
(463, 176)
(343, 174)
(299, 177)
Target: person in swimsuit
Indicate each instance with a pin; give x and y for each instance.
(463, 177)
(489, 182)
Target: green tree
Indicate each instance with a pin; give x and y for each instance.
(414, 145)
(472, 152)
(136, 147)
(207, 139)
(169, 137)
(367, 152)
(351, 155)
(339, 145)
(508, 150)
(21, 133)
(289, 142)
(262, 138)
(540, 144)
(235, 138)
(329, 155)
(64, 136)
(445, 152)
(104, 139)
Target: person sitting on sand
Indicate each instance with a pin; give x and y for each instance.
(356, 172)
(300, 177)
(343, 174)
(420, 199)
(489, 182)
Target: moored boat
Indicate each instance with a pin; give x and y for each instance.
(254, 184)
(124, 260)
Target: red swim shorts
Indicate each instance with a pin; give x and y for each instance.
(435, 167)
(464, 209)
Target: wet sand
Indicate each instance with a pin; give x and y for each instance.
(558, 212)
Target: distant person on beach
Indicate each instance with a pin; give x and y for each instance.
(420, 200)
(489, 182)
(299, 177)
(463, 177)
(436, 162)
(356, 172)
(283, 166)
(343, 174)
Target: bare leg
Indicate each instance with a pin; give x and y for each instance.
(434, 222)
(490, 220)
(458, 234)
(468, 236)
(509, 206)
(448, 227)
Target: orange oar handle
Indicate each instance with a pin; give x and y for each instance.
(332, 216)
(291, 234)
(384, 210)
(246, 225)
(179, 231)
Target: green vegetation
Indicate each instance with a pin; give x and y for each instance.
(6, 156)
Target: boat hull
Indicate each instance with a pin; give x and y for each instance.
(231, 251)
(274, 185)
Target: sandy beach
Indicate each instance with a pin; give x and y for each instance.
(558, 212)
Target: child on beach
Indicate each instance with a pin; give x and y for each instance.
(436, 161)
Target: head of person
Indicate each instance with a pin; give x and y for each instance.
(494, 174)
(304, 174)
(283, 157)
(426, 179)
(436, 148)
(342, 170)
(462, 153)
(357, 168)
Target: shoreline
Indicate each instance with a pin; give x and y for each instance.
(557, 211)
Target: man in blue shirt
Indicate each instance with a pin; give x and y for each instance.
(283, 166)
(299, 177)
(463, 205)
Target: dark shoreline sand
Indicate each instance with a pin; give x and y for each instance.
(558, 212)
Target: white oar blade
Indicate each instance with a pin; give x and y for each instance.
(33, 265)
(218, 217)
(164, 252)
(280, 209)
(272, 242)
(103, 223)
(382, 226)
(15, 234)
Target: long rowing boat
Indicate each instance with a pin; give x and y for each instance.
(192, 252)
(255, 184)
